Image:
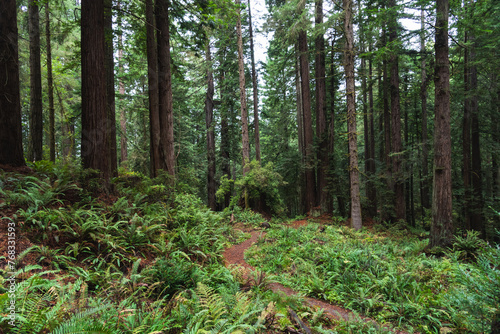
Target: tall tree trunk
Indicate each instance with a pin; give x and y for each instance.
(307, 122)
(210, 125)
(11, 141)
(356, 220)
(110, 86)
(397, 171)
(477, 222)
(154, 117)
(121, 90)
(95, 149)
(321, 131)
(300, 131)
(50, 84)
(387, 132)
(225, 145)
(496, 139)
(166, 112)
(331, 124)
(442, 224)
(35, 143)
(466, 143)
(423, 97)
(372, 190)
(366, 134)
(243, 98)
(254, 86)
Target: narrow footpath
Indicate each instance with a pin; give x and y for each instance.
(235, 255)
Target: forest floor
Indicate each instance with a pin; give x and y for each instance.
(235, 256)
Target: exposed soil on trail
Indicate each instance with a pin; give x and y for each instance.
(235, 255)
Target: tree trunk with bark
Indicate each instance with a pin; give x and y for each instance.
(225, 144)
(356, 220)
(300, 131)
(154, 117)
(50, 85)
(110, 87)
(210, 125)
(254, 86)
(397, 171)
(477, 222)
(321, 130)
(11, 141)
(442, 223)
(466, 144)
(121, 90)
(35, 143)
(389, 199)
(331, 124)
(165, 100)
(426, 203)
(95, 149)
(372, 189)
(310, 191)
(243, 96)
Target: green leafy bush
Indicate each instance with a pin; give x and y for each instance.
(172, 274)
(257, 189)
(469, 245)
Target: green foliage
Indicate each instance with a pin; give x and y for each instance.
(34, 192)
(469, 245)
(246, 216)
(209, 312)
(259, 188)
(475, 298)
(172, 274)
(386, 278)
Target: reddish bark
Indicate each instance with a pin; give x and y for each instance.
(165, 102)
(442, 223)
(11, 144)
(154, 117)
(35, 142)
(95, 152)
(356, 220)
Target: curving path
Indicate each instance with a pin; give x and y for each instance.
(235, 255)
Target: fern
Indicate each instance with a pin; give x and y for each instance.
(212, 301)
(82, 322)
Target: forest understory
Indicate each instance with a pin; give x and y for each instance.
(148, 259)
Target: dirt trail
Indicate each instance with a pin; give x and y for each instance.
(235, 255)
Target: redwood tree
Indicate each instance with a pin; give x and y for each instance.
(154, 118)
(165, 100)
(50, 84)
(94, 148)
(35, 142)
(210, 125)
(442, 224)
(400, 209)
(110, 86)
(11, 145)
(320, 75)
(254, 88)
(356, 221)
(310, 189)
(243, 98)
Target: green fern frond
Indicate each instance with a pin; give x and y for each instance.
(211, 300)
(81, 322)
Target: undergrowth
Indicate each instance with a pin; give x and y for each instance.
(148, 259)
(386, 277)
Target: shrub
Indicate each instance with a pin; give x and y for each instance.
(172, 275)
(257, 189)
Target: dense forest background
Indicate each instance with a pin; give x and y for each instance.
(141, 140)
